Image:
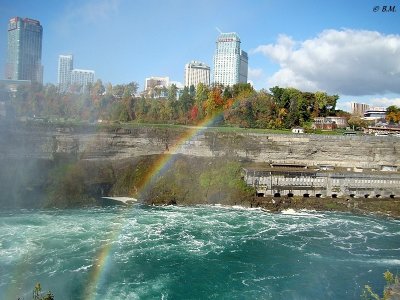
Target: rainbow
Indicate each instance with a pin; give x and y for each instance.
(100, 265)
(159, 167)
(162, 164)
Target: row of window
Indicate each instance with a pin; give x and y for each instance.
(348, 181)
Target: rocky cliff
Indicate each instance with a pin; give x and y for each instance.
(46, 141)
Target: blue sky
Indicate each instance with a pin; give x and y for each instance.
(341, 47)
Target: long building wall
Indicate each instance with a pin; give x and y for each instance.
(323, 184)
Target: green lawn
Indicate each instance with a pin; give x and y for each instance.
(117, 124)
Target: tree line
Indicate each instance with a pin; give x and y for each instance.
(238, 105)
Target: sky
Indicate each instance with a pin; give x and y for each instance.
(348, 48)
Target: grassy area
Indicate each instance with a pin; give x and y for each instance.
(117, 124)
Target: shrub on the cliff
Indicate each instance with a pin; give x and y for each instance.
(37, 293)
(391, 290)
(187, 180)
(67, 187)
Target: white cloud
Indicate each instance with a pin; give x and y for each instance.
(351, 62)
(95, 10)
(89, 12)
(279, 52)
(346, 106)
(255, 73)
(385, 102)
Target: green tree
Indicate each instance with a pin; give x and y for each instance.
(172, 91)
(281, 97)
(393, 114)
(97, 88)
(242, 89)
(200, 99)
(324, 104)
(167, 111)
(265, 111)
(357, 123)
(130, 89)
(215, 102)
(186, 100)
(118, 90)
(227, 93)
(293, 116)
(109, 88)
(192, 91)
(141, 110)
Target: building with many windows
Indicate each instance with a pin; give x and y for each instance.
(375, 114)
(69, 77)
(65, 66)
(197, 72)
(230, 62)
(24, 50)
(358, 109)
(329, 123)
(324, 181)
(81, 78)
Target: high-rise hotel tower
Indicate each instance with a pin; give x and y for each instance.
(68, 76)
(65, 66)
(24, 50)
(230, 63)
(82, 77)
(197, 72)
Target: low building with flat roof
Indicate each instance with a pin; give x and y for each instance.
(323, 183)
(329, 123)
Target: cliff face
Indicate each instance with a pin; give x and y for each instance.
(47, 165)
(49, 141)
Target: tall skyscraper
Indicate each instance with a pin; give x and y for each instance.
(230, 63)
(65, 66)
(24, 50)
(196, 72)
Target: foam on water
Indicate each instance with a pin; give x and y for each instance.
(195, 253)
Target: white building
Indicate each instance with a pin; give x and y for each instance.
(230, 62)
(375, 114)
(65, 66)
(81, 77)
(156, 86)
(197, 72)
(156, 82)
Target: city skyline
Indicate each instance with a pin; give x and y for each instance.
(330, 46)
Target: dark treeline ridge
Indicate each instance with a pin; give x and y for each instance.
(238, 106)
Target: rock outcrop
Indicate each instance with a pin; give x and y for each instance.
(47, 141)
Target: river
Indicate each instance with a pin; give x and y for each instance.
(204, 252)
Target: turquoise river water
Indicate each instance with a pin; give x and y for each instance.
(205, 252)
